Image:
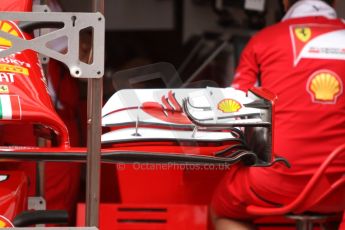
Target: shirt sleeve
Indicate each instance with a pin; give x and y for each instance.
(248, 69)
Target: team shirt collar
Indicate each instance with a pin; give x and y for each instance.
(307, 8)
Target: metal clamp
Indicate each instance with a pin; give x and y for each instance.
(73, 24)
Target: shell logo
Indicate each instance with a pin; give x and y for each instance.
(303, 33)
(11, 28)
(325, 86)
(229, 106)
(2, 224)
(5, 223)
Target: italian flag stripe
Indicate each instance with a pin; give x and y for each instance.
(10, 107)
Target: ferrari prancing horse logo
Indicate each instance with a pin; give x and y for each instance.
(4, 89)
(303, 33)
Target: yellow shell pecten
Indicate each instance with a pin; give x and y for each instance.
(325, 86)
(229, 106)
(8, 28)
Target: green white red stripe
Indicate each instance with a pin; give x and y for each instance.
(10, 107)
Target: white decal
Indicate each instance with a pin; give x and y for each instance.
(327, 46)
(13, 61)
(3, 178)
(7, 77)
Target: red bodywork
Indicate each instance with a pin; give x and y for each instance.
(22, 79)
(13, 193)
(23, 92)
(149, 198)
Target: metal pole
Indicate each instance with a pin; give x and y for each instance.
(94, 107)
(98, 6)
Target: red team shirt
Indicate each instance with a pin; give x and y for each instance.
(302, 61)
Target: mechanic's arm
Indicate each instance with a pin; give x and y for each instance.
(247, 72)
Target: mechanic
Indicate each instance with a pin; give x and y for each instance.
(301, 60)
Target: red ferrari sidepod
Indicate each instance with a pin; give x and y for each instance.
(24, 96)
